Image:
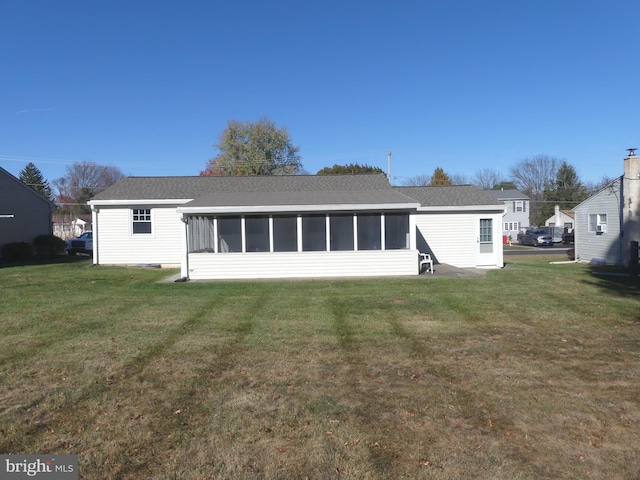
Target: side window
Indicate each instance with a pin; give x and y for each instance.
(598, 222)
(141, 221)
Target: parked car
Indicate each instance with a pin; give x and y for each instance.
(535, 237)
(555, 232)
(568, 236)
(82, 244)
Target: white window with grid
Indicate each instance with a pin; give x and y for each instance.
(141, 221)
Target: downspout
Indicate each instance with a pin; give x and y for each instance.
(621, 239)
(185, 274)
(94, 229)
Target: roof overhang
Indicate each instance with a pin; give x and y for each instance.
(463, 208)
(143, 201)
(243, 209)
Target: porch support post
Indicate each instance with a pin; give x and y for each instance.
(413, 241)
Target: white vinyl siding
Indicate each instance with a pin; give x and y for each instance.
(303, 264)
(116, 245)
(591, 245)
(141, 221)
(453, 238)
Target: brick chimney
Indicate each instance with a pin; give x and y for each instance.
(630, 202)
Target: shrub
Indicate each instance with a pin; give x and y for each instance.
(49, 245)
(17, 251)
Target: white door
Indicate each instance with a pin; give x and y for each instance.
(485, 242)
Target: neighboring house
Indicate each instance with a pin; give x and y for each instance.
(561, 221)
(608, 221)
(561, 218)
(24, 213)
(68, 225)
(516, 211)
(288, 226)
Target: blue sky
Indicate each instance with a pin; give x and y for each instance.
(458, 84)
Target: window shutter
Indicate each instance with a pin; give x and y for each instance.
(514, 206)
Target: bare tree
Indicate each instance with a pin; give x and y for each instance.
(533, 176)
(487, 178)
(84, 180)
(417, 181)
(460, 179)
(593, 187)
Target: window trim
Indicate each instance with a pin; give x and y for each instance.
(133, 221)
(592, 227)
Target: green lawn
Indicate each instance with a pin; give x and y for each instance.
(531, 372)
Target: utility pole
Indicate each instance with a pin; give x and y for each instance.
(389, 167)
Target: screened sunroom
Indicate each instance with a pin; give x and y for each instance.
(301, 240)
(331, 232)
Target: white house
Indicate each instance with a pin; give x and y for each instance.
(516, 211)
(67, 225)
(608, 221)
(561, 221)
(561, 218)
(288, 226)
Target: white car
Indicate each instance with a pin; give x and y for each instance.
(82, 244)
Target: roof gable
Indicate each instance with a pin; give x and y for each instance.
(613, 186)
(10, 179)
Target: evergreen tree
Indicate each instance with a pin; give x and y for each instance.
(350, 169)
(566, 191)
(32, 176)
(439, 178)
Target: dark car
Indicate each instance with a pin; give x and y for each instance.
(568, 237)
(535, 237)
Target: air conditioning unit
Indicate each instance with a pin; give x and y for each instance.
(601, 228)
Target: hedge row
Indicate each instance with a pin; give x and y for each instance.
(44, 245)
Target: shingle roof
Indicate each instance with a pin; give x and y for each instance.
(449, 196)
(290, 190)
(508, 194)
(258, 190)
(357, 197)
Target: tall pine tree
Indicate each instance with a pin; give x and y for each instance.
(566, 191)
(32, 176)
(439, 178)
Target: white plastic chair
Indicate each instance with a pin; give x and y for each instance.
(425, 259)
